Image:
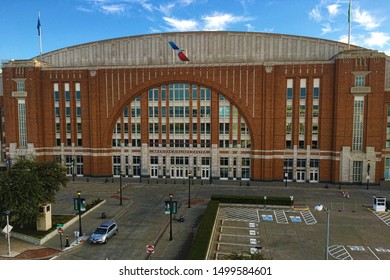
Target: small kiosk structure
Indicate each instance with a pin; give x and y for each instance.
(379, 203)
(44, 218)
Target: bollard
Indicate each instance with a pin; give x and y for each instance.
(67, 241)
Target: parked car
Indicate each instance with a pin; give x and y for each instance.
(104, 232)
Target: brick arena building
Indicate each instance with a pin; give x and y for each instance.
(246, 106)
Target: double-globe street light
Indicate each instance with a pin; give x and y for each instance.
(170, 216)
(8, 232)
(320, 208)
(79, 207)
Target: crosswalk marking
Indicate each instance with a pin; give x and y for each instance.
(280, 216)
(384, 216)
(239, 214)
(308, 217)
(339, 252)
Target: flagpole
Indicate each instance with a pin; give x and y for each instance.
(40, 34)
(349, 24)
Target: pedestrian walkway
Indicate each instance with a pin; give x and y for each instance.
(384, 217)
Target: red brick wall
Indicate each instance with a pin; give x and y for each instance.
(258, 91)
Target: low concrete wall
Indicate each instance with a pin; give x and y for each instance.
(50, 235)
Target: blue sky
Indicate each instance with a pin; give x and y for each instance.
(70, 22)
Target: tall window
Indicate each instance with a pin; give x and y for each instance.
(289, 113)
(302, 114)
(22, 123)
(360, 81)
(357, 171)
(20, 85)
(315, 114)
(388, 128)
(245, 168)
(387, 169)
(358, 115)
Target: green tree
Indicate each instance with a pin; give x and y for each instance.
(27, 185)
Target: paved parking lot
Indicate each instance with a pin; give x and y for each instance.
(284, 233)
(288, 233)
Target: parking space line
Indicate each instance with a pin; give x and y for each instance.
(235, 244)
(239, 214)
(373, 253)
(384, 217)
(280, 216)
(308, 217)
(339, 252)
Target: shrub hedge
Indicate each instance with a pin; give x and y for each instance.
(198, 250)
(287, 201)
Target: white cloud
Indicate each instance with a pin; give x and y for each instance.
(326, 28)
(181, 24)
(185, 2)
(333, 9)
(315, 14)
(250, 27)
(113, 8)
(365, 19)
(378, 39)
(166, 9)
(219, 21)
(147, 6)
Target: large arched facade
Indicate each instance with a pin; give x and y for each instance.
(247, 106)
(180, 123)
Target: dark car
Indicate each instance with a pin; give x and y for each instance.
(104, 232)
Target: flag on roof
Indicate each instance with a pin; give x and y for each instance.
(39, 25)
(349, 11)
(179, 52)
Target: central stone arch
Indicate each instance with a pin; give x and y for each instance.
(143, 89)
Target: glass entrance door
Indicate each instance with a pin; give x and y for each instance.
(301, 176)
(205, 172)
(314, 176)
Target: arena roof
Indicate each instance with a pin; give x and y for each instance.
(214, 47)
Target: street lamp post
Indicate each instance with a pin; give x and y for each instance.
(79, 207)
(285, 177)
(140, 171)
(73, 173)
(8, 232)
(189, 190)
(320, 208)
(170, 216)
(120, 188)
(368, 174)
